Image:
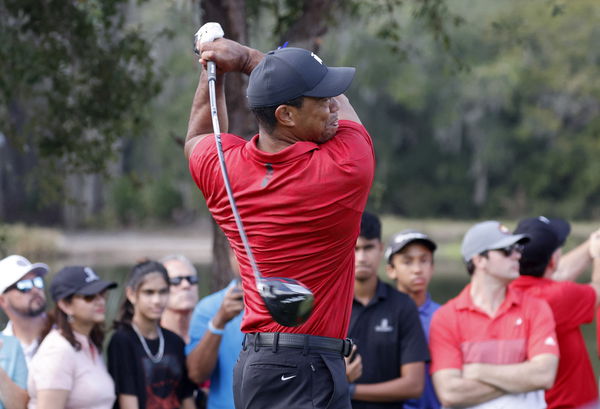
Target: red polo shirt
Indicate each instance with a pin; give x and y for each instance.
(301, 208)
(461, 333)
(572, 305)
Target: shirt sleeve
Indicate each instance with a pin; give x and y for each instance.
(122, 364)
(199, 324)
(542, 334)
(444, 342)
(54, 364)
(20, 377)
(412, 343)
(576, 305)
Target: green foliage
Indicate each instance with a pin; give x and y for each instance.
(516, 133)
(73, 79)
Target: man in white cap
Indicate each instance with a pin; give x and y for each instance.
(23, 300)
(492, 346)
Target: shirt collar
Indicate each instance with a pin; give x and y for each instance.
(290, 153)
(464, 300)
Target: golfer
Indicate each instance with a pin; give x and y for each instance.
(301, 185)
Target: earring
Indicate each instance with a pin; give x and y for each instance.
(70, 318)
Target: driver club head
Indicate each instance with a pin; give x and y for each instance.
(289, 302)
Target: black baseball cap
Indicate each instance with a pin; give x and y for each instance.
(406, 237)
(289, 73)
(547, 235)
(78, 280)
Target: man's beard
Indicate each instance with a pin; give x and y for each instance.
(35, 308)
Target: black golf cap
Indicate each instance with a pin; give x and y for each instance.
(546, 235)
(400, 240)
(78, 280)
(289, 73)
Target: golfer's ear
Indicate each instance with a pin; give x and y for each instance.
(286, 115)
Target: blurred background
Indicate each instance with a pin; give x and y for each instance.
(478, 110)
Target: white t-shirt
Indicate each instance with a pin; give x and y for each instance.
(57, 365)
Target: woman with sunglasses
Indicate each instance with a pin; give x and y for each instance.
(68, 371)
(146, 361)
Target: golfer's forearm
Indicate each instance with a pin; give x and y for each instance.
(253, 58)
(203, 358)
(200, 122)
(11, 395)
(390, 391)
(572, 264)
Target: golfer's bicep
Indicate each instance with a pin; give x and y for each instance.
(191, 143)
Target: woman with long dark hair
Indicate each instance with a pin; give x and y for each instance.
(68, 372)
(146, 361)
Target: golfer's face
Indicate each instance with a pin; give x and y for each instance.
(318, 120)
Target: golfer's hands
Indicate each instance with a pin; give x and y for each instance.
(595, 244)
(354, 368)
(228, 55)
(231, 306)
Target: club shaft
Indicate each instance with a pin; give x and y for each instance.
(212, 80)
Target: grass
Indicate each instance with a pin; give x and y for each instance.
(32, 242)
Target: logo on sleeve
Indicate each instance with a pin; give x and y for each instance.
(383, 326)
(550, 341)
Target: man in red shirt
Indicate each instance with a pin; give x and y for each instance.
(572, 304)
(301, 185)
(492, 346)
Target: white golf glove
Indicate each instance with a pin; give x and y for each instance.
(209, 32)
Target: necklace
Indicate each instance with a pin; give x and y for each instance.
(161, 344)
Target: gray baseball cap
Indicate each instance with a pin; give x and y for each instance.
(406, 237)
(488, 235)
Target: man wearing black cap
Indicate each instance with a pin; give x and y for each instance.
(572, 304)
(409, 258)
(492, 346)
(386, 328)
(301, 185)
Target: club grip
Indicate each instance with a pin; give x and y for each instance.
(212, 71)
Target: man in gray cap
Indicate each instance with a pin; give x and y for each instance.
(301, 185)
(492, 346)
(23, 300)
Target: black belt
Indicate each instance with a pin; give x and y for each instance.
(302, 341)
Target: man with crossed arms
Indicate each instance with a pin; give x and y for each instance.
(492, 346)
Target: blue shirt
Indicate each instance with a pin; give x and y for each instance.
(13, 362)
(429, 399)
(220, 395)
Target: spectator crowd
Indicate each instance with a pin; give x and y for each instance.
(510, 339)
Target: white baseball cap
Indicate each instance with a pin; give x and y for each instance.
(13, 268)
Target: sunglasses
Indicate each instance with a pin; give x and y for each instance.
(27, 285)
(177, 280)
(508, 251)
(92, 297)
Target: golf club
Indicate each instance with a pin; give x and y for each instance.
(288, 301)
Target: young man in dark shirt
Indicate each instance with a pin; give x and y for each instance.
(386, 328)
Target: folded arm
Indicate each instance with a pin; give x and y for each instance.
(453, 390)
(537, 373)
